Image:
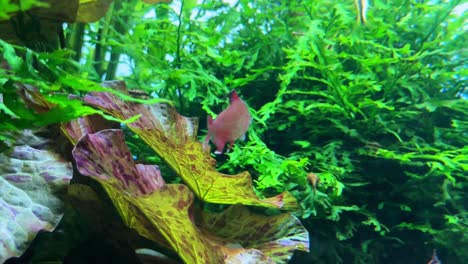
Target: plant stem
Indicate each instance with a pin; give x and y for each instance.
(177, 59)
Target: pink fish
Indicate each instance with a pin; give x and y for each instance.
(230, 125)
(313, 179)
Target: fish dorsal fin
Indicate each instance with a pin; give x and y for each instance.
(233, 96)
(209, 120)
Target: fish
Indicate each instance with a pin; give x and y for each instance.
(362, 6)
(434, 259)
(313, 179)
(230, 125)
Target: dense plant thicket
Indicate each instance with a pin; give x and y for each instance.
(377, 111)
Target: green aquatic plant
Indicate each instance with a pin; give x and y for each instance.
(376, 111)
(371, 107)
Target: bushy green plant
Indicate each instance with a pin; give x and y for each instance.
(377, 111)
(367, 106)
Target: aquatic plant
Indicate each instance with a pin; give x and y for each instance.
(377, 111)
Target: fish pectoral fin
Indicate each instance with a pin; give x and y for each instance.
(207, 137)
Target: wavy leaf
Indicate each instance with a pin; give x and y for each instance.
(92, 154)
(31, 178)
(275, 236)
(160, 213)
(165, 213)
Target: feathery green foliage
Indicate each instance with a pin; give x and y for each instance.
(377, 111)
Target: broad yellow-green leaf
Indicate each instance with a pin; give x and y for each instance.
(157, 211)
(275, 236)
(165, 213)
(168, 213)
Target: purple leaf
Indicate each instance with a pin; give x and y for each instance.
(104, 155)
